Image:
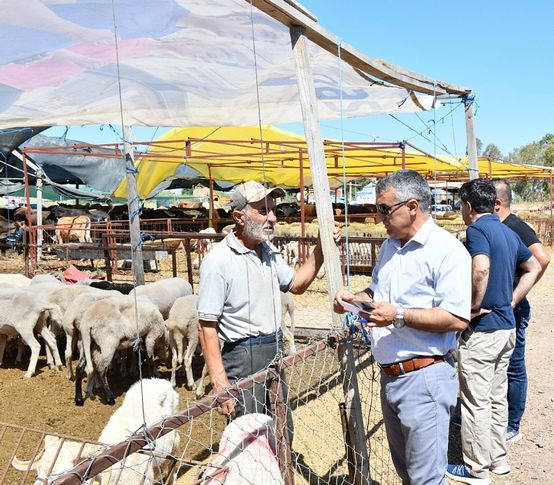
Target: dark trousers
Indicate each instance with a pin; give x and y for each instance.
(245, 359)
(517, 372)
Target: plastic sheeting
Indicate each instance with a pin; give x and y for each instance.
(180, 63)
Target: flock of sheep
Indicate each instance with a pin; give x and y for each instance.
(100, 325)
(97, 321)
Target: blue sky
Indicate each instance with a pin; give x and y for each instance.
(501, 50)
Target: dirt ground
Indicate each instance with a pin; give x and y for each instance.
(45, 402)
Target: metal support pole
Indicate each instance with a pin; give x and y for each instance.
(39, 213)
(29, 226)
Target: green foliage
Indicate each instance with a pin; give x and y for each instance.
(537, 153)
(493, 152)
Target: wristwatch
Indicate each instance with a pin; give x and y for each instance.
(398, 321)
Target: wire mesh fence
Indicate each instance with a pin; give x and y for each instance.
(310, 382)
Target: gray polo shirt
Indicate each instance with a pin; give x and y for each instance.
(240, 291)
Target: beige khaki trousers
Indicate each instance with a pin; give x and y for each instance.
(483, 360)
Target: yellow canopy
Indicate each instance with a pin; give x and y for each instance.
(237, 154)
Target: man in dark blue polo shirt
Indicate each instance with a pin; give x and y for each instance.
(485, 348)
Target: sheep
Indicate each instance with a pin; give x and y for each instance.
(23, 312)
(164, 292)
(246, 453)
(123, 288)
(57, 455)
(45, 278)
(203, 246)
(71, 321)
(13, 279)
(62, 296)
(158, 399)
(182, 326)
(287, 306)
(112, 324)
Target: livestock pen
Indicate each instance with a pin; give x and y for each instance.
(321, 452)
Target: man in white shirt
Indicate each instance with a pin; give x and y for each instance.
(421, 293)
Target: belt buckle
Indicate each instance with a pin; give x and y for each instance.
(401, 367)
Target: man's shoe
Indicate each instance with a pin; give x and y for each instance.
(461, 474)
(501, 469)
(456, 420)
(513, 435)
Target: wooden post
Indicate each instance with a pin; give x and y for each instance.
(174, 262)
(403, 155)
(133, 203)
(470, 136)
(187, 250)
(212, 210)
(550, 193)
(320, 183)
(302, 244)
(279, 411)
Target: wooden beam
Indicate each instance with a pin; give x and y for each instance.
(325, 216)
(291, 16)
(133, 204)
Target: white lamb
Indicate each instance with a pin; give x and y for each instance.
(151, 465)
(163, 293)
(57, 455)
(14, 279)
(182, 326)
(22, 312)
(246, 454)
(71, 321)
(112, 324)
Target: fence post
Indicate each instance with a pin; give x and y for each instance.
(189, 261)
(278, 405)
(325, 215)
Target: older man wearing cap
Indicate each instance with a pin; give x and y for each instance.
(240, 302)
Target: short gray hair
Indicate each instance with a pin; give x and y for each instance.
(407, 184)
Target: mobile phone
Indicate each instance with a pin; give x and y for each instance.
(358, 305)
(364, 305)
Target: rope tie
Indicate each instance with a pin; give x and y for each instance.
(353, 324)
(136, 344)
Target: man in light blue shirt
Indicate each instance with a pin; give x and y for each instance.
(421, 293)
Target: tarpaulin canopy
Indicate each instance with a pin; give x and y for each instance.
(489, 168)
(172, 63)
(237, 154)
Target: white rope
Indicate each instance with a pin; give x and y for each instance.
(344, 183)
(136, 343)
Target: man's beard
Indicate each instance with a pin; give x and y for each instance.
(255, 231)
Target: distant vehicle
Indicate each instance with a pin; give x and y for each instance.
(440, 208)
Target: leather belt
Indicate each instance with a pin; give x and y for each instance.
(410, 365)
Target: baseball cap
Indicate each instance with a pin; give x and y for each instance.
(253, 191)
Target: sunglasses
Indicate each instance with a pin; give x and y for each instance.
(385, 209)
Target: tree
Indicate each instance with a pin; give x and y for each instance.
(493, 152)
(537, 153)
